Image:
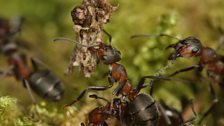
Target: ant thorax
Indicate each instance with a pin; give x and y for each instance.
(208, 56)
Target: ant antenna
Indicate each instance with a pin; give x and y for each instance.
(97, 97)
(70, 40)
(152, 35)
(109, 36)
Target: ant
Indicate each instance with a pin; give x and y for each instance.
(42, 81)
(103, 52)
(192, 47)
(142, 108)
(99, 115)
(129, 114)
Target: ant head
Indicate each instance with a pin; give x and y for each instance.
(110, 55)
(188, 47)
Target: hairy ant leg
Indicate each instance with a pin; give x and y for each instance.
(92, 88)
(184, 70)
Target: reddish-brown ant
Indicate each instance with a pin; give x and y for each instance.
(99, 115)
(192, 47)
(139, 104)
(104, 52)
(42, 81)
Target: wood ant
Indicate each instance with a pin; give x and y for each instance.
(208, 58)
(99, 115)
(142, 111)
(103, 52)
(141, 107)
(42, 81)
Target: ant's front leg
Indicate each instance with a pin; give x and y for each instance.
(184, 70)
(92, 88)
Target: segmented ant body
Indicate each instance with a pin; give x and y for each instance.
(42, 81)
(142, 108)
(142, 111)
(208, 58)
(99, 115)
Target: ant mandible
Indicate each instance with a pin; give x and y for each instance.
(192, 47)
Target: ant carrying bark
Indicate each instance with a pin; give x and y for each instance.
(42, 81)
(103, 52)
(208, 58)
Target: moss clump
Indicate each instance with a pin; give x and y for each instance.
(11, 114)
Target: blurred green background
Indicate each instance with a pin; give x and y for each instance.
(46, 20)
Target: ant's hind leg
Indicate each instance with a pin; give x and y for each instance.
(214, 101)
(26, 83)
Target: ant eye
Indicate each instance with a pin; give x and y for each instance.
(105, 57)
(195, 50)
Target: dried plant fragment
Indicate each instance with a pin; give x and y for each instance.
(89, 18)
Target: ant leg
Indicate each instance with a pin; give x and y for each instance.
(109, 36)
(26, 83)
(141, 83)
(94, 88)
(184, 70)
(193, 117)
(37, 62)
(214, 101)
(163, 112)
(119, 87)
(97, 97)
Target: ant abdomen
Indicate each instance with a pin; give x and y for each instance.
(143, 111)
(46, 85)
